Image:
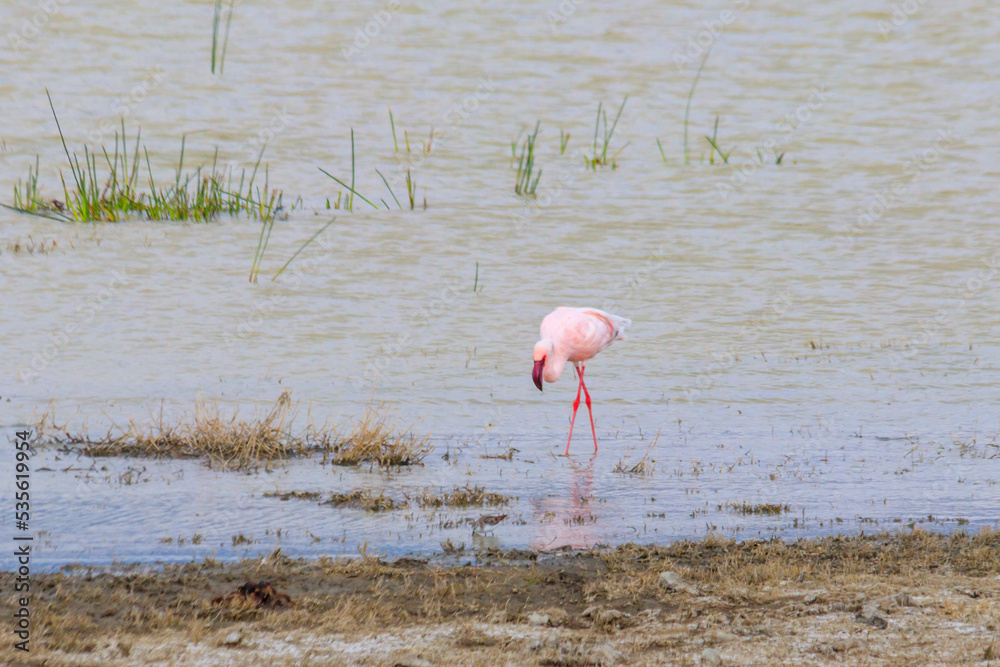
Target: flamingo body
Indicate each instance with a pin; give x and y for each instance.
(575, 335)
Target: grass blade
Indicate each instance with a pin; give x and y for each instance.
(225, 41)
(395, 145)
(303, 247)
(215, 30)
(390, 189)
(687, 109)
(353, 192)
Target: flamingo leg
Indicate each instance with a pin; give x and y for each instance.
(576, 404)
(589, 410)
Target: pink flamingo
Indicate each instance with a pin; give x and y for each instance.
(574, 334)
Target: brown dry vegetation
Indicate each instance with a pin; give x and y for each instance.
(467, 496)
(375, 439)
(461, 497)
(29, 246)
(755, 603)
(231, 443)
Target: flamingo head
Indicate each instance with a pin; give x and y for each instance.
(543, 349)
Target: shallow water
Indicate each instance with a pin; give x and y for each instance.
(819, 333)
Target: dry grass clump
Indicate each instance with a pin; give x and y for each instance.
(30, 246)
(232, 443)
(375, 439)
(645, 465)
(365, 500)
(297, 495)
(764, 509)
(467, 496)
(228, 442)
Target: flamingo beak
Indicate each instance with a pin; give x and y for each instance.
(536, 373)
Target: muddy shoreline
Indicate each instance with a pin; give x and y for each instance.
(914, 597)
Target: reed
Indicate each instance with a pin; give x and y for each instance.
(265, 236)
(411, 189)
(712, 141)
(662, 154)
(392, 124)
(105, 187)
(216, 23)
(525, 185)
(514, 143)
(563, 141)
(687, 109)
(602, 139)
(411, 186)
(351, 190)
(389, 188)
(302, 247)
(26, 196)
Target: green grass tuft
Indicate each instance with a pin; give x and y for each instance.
(105, 187)
(602, 140)
(525, 185)
(712, 141)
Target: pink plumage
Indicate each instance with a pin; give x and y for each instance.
(575, 335)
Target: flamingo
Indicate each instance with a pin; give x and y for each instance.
(574, 334)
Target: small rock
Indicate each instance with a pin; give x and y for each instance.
(672, 581)
(234, 638)
(538, 619)
(711, 657)
(870, 615)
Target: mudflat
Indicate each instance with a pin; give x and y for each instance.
(914, 598)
